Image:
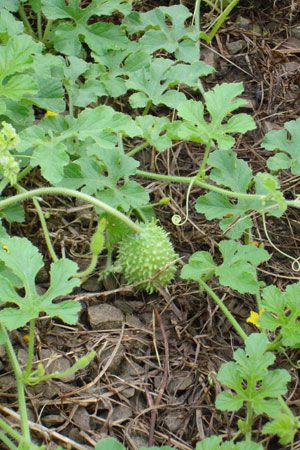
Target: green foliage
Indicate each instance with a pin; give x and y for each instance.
(250, 380)
(284, 425)
(286, 143)
(165, 29)
(24, 261)
(235, 174)
(67, 34)
(219, 102)
(281, 313)
(215, 443)
(237, 271)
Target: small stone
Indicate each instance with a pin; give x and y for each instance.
(243, 22)
(128, 392)
(235, 46)
(7, 382)
(105, 317)
(121, 413)
(91, 284)
(81, 418)
(182, 383)
(116, 365)
(133, 321)
(174, 421)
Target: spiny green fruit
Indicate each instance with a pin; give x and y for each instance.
(144, 256)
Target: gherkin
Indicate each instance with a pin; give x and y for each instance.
(148, 256)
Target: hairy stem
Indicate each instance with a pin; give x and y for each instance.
(201, 173)
(39, 25)
(208, 186)
(20, 385)
(224, 310)
(45, 229)
(10, 431)
(90, 268)
(25, 20)
(43, 224)
(137, 149)
(70, 193)
(221, 19)
(28, 369)
(47, 30)
(7, 441)
(249, 420)
(147, 107)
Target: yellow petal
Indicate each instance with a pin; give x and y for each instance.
(253, 318)
(51, 114)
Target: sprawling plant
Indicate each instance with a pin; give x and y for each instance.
(58, 71)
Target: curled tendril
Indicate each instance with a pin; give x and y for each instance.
(177, 219)
(296, 261)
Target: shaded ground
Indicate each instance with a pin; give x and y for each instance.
(154, 377)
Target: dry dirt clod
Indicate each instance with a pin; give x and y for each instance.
(81, 419)
(235, 46)
(105, 317)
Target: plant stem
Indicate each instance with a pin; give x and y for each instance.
(196, 15)
(224, 309)
(43, 224)
(9, 430)
(249, 420)
(147, 107)
(70, 193)
(137, 149)
(211, 187)
(86, 272)
(20, 385)
(28, 369)
(45, 229)
(6, 440)
(25, 20)
(201, 173)
(221, 19)
(47, 30)
(39, 25)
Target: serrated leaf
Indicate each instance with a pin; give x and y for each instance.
(67, 36)
(220, 102)
(285, 426)
(154, 131)
(152, 84)
(49, 94)
(24, 261)
(250, 379)
(230, 171)
(238, 270)
(166, 29)
(281, 313)
(286, 141)
(9, 26)
(199, 265)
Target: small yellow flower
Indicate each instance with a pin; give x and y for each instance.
(254, 317)
(51, 114)
(5, 248)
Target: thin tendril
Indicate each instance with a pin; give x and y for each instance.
(177, 219)
(296, 261)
